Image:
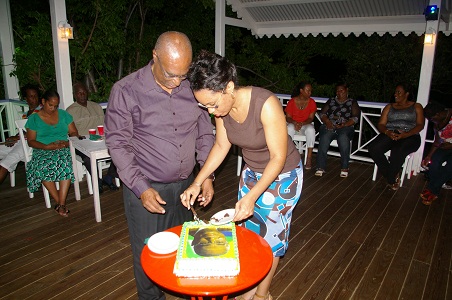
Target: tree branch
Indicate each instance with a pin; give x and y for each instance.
(91, 33)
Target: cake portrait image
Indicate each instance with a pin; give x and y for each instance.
(210, 241)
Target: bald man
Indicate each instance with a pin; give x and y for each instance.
(156, 132)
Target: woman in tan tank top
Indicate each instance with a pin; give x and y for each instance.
(253, 119)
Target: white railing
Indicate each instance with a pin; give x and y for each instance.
(10, 110)
(366, 127)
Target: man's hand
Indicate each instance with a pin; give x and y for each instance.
(207, 192)
(151, 201)
(11, 141)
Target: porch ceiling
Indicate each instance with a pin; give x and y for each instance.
(295, 17)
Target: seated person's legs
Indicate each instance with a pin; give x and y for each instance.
(344, 136)
(326, 136)
(111, 175)
(377, 149)
(10, 161)
(4, 150)
(399, 151)
(439, 174)
(87, 163)
(309, 131)
(291, 130)
(107, 179)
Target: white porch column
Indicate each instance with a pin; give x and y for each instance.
(61, 53)
(220, 27)
(7, 48)
(425, 79)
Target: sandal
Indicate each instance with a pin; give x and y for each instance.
(396, 185)
(267, 297)
(61, 210)
(428, 197)
(319, 172)
(344, 173)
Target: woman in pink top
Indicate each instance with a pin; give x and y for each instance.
(300, 112)
(439, 158)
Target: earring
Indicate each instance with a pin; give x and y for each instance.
(232, 95)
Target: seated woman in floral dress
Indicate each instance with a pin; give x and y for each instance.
(47, 134)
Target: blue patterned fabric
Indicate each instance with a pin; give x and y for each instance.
(273, 210)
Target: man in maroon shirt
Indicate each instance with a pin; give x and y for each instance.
(156, 133)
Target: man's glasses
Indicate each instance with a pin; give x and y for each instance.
(212, 106)
(169, 75)
(208, 106)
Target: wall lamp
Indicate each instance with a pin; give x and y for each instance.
(429, 36)
(65, 30)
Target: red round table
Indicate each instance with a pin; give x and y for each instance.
(255, 257)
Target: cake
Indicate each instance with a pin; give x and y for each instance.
(207, 251)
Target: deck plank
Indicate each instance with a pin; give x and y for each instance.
(350, 239)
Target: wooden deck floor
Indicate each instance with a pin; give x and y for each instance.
(350, 239)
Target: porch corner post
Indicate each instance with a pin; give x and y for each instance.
(11, 83)
(220, 27)
(61, 53)
(425, 80)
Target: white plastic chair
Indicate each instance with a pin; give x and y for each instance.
(12, 178)
(300, 144)
(20, 124)
(406, 167)
(298, 139)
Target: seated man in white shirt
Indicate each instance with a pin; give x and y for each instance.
(87, 115)
(12, 152)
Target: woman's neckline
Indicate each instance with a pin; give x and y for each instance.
(410, 104)
(305, 103)
(50, 124)
(341, 102)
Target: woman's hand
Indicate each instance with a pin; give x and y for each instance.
(329, 125)
(400, 135)
(189, 195)
(396, 135)
(244, 209)
(298, 126)
(425, 162)
(57, 145)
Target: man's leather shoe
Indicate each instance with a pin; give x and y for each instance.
(101, 188)
(108, 181)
